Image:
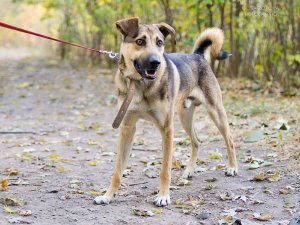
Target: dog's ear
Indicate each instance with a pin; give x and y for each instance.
(166, 29)
(128, 27)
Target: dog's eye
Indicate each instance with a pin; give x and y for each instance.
(140, 42)
(159, 43)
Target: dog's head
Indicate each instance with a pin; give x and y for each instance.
(142, 49)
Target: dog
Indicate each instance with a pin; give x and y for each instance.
(167, 83)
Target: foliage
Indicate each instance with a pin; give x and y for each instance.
(263, 36)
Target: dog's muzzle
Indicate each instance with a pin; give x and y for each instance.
(148, 67)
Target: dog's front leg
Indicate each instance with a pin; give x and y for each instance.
(163, 197)
(124, 145)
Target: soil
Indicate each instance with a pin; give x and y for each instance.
(62, 155)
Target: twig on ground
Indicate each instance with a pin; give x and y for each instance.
(25, 132)
(138, 183)
(144, 149)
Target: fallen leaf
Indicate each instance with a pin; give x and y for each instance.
(220, 166)
(157, 210)
(260, 177)
(139, 141)
(210, 187)
(23, 212)
(10, 201)
(61, 169)
(265, 164)
(93, 162)
(243, 198)
(93, 192)
(226, 196)
(274, 177)
(139, 212)
(8, 210)
(214, 155)
(286, 190)
(80, 125)
(211, 179)
(253, 166)
(183, 182)
(263, 217)
(3, 184)
(68, 142)
(26, 156)
(176, 164)
(24, 85)
(94, 126)
(54, 157)
(185, 141)
(11, 172)
(108, 154)
(179, 203)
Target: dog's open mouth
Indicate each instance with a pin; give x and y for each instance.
(147, 74)
(150, 74)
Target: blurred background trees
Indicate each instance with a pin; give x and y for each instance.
(263, 36)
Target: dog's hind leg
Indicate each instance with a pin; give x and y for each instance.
(215, 108)
(186, 118)
(124, 145)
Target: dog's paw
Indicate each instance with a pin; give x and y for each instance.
(231, 171)
(102, 200)
(162, 200)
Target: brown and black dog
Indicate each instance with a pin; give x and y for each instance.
(165, 84)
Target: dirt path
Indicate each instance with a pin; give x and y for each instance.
(56, 171)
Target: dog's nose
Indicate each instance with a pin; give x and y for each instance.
(154, 61)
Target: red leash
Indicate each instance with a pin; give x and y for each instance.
(110, 53)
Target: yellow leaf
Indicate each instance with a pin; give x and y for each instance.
(24, 85)
(11, 172)
(157, 211)
(6, 209)
(26, 156)
(214, 155)
(93, 192)
(81, 125)
(68, 142)
(280, 135)
(3, 184)
(94, 126)
(92, 142)
(274, 177)
(93, 162)
(61, 169)
(220, 166)
(176, 164)
(140, 140)
(54, 157)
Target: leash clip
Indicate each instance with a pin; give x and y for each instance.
(111, 54)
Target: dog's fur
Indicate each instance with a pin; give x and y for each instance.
(165, 84)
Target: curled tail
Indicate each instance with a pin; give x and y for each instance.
(211, 41)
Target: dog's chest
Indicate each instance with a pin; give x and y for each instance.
(149, 107)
